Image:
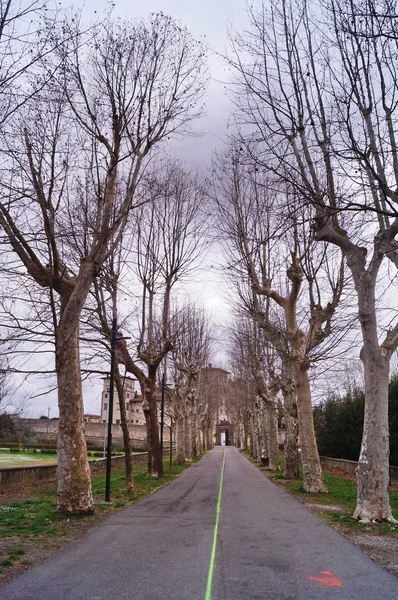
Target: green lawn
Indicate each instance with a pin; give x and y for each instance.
(29, 458)
(31, 522)
(19, 459)
(37, 515)
(342, 493)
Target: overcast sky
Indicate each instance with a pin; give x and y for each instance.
(208, 21)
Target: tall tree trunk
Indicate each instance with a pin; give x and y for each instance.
(194, 429)
(204, 442)
(251, 437)
(373, 502)
(199, 440)
(312, 471)
(126, 433)
(256, 438)
(180, 435)
(291, 455)
(150, 408)
(74, 478)
(179, 418)
(206, 445)
(209, 437)
(262, 428)
(238, 434)
(245, 435)
(257, 445)
(273, 441)
(188, 436)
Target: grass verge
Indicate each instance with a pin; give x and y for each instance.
(339, 503)
(30, 528)
(19, 459)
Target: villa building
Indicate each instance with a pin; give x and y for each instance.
(133, 400)
(214, 384)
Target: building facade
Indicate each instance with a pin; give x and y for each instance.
(92, 418)
(134, 413)
(215, 386)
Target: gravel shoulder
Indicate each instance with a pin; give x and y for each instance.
(381, 547)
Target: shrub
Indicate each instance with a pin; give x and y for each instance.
(8, 444)
(339, 424)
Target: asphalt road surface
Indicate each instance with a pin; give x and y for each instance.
(200, 539)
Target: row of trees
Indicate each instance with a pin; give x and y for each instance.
(83, 112)
(102, 231)
(307, 198)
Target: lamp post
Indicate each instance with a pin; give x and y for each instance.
(110, 411)
(171, 443)
(162, 418)
(110, 415)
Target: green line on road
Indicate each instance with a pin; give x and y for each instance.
(213, 550)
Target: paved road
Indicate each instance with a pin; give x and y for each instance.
(269, 546)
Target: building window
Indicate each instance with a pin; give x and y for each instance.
(106, 395)
(117, 421)
(137, 421)
(105, 406)
(137, 410)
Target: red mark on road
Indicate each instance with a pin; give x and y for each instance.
(327, 578)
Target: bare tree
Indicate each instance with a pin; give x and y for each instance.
(248, 224)
(297, 316)
(105, 292)
(250, 345)
(73, 159)
(322, 101)
(27, 38)
(191, 352)
(207, 390)
(241, 393)
(167, 245)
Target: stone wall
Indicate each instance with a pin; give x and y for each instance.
(47, 429)
(12, 478)
(348, 468)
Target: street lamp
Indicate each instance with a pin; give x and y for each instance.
(110, 411)
(162, 418)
